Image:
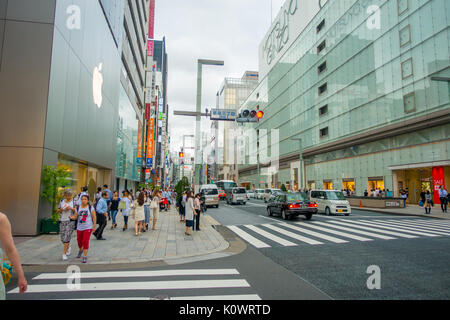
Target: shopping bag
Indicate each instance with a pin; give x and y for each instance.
(421, 203)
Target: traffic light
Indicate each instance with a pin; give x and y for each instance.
(181, 154)
(250, 116)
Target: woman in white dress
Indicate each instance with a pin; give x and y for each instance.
(190, 212)
(139, 213)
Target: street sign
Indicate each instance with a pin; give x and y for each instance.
(223, 114)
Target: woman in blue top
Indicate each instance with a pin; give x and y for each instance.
(114, 207)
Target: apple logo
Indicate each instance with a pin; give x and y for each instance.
(97, 83)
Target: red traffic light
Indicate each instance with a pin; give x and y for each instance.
(259, 114)
(181, 155)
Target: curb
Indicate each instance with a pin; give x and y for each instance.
(398, 213)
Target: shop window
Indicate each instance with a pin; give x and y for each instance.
(322, 67)
(409, 102)
(311, 185)
(323, 88)
(375, 183)
(321, 46)
(327, 185)
(324, 132)
(320, 26)
(348, 184)
(402, 6)
(323, 110)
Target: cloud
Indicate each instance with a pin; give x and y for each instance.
(228, 30)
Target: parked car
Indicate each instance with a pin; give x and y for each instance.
(250, 194)
(269, 193)
(290, 205)
(237, 195)
(259, 193)
(331, 202)
(211, 194)
(222, 194)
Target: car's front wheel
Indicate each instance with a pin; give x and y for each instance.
(284, 215)
(327, 211)
(308, 216)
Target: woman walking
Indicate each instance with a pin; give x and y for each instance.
(66, 209)
(114, 208)
(189, 213)
(139, 214)
(87, 221)
(428, 202)
(154, 207)
(126, 212)
(197, 208)
(7, 243)
(146, 210)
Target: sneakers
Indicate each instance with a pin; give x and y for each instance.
(69, 251)
(64, 257)
(84, 259)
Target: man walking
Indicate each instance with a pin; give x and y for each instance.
(102, 215)
(443, 198)
(110, 196)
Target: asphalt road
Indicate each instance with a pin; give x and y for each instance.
(412, 253)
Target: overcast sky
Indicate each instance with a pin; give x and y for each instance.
(228, 30)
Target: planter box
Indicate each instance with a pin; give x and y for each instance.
(48, 226)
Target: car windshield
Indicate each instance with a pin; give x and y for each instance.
(333, 195)
(240, 190)
(296, 197)
(209, 192)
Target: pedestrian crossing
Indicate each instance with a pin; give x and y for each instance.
(174, 284)
(338, 231)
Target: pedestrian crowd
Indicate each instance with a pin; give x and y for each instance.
(78, 213)
(190, 209)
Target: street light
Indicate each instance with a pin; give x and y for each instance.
(200, 64)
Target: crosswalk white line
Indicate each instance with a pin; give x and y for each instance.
(292, 235)
(224, 297)
(249, 238)
(339, 233)
(197, 298)
(370, 234)
(270, 236)
(397, 228)
(397, 234)
(148, 285)
(412, 227)
(434, 223)
(314, 234)
(421, 225)
(135, 274)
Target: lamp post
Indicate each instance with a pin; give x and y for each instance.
(300, 170)
(198, 160)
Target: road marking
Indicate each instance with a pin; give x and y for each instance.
(134, 274)
(370, 234)
(249, 238)
(411, 227)
(314, 234)
(342, 234)
(225, 297)
(257, 204)
(270, 236)
(153, 285)
(357, 225)
(435, 223)
(396, 228)
(270, 218)
(420, 225)
(292, 235)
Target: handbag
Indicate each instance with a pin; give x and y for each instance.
(122, 205)
(6, 273)
(421, 203)
(153, 204)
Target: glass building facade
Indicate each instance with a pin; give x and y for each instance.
(356, 86)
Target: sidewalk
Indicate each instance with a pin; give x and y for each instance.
(411, 210)
(167, 242)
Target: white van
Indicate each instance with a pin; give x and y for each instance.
(259, 193)
(268, 193)
(331, 202)
(211, 194)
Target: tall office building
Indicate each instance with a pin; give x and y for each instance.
(71, 88)
(355, 80)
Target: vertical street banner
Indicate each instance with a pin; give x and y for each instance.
(139, 145)
(151, 28)
(438, 181)
(151, 125)
(147, 111)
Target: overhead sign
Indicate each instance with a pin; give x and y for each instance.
(223, 114)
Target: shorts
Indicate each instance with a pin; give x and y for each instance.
(189, 223)
(65, 230)
(154, 213)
